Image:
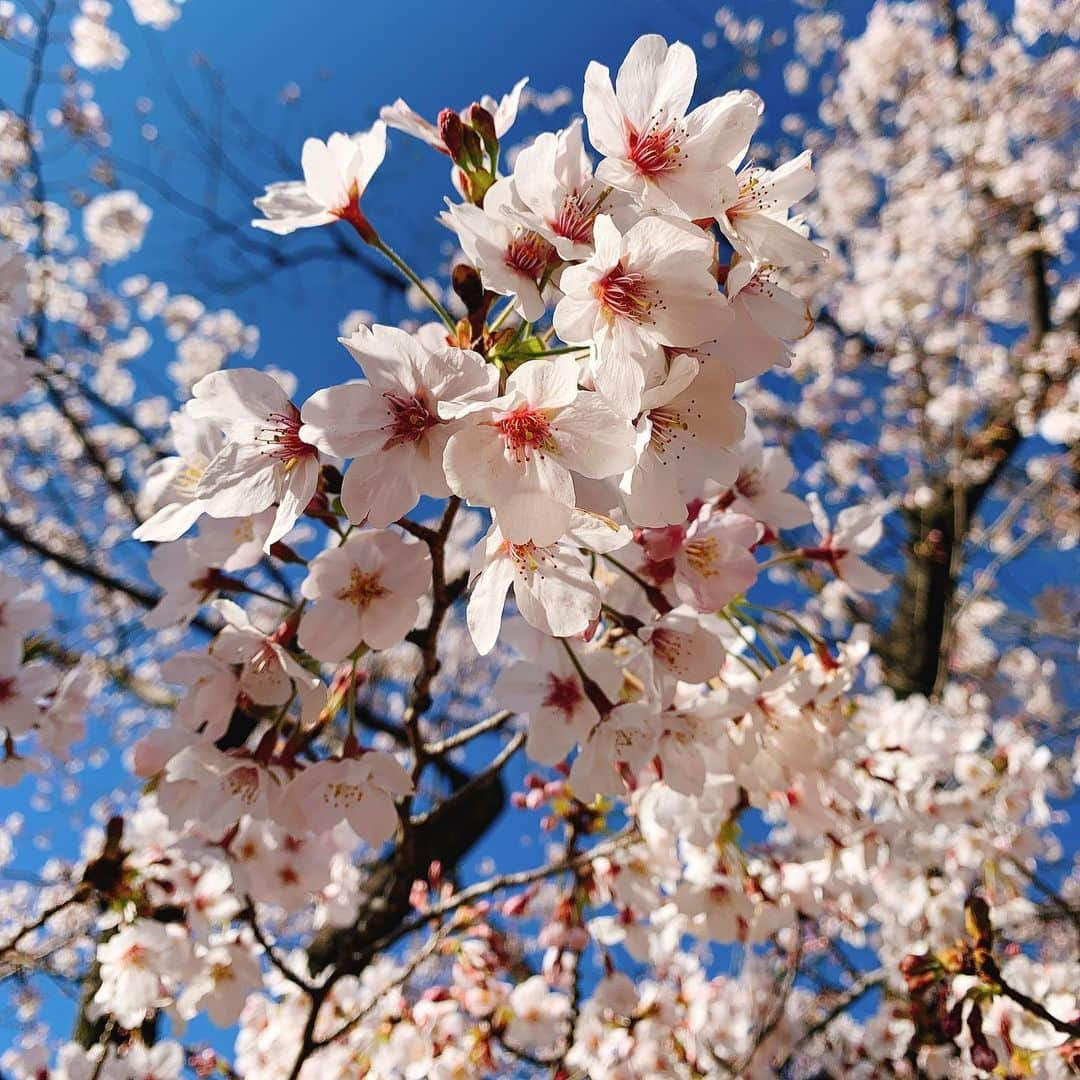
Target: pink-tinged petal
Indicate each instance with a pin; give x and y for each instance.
(546, 384)
(486, 602)
(345, 420)
(861, 576)
(299, 489)
(390, 358)
(170, 522)
(593, 439)
(538, 508)
(237, 396)
(330, 630)
(575, 317)
(656, 80)
(603, 112)
(388, 773)
(620, 379)
(402, 117)
(380, 488)
(321, 175)
(374, 817)
(285, 226)
(560, 598)
(240, 481)
(371, 149)
(386, 622)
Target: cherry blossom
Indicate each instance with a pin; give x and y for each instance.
(359, 791)
(366, 593)
(390, 425)
(641, 290)
(713, 561)
(857, 530)
(336, 174)
(670, 159)
(264, 461)
(517, 451)
(756, 222)
(683, 440)
(552, 586)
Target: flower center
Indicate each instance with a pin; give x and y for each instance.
(754, 196)
(363, 587)
(281, 434)
(341, 793)
(623, 294)
(528, 558)
(703, 554)
(531, 255)
(135, 954)
(575, 218)
(410, 419)
(243, 783)
(667, 423)
(526, 431)
(657, 149)
(564, 694)
(187, 479)
(668, 646)
(7, 689)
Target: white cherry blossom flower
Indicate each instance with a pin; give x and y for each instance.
(365, 591)
(513, 259)
(760, 489)
(685, 646)
(336, 174)
(687, 424)
(265, 461)
(546, 687)
(668, 158)
(359, 791)
(553, 587)
(134, 965)
(517, 451)
(857, 530)
(714, 563)
(201, 785)
(268, 669)
(20, 614)
(22, 688)
(115, 224)
(639, 292)
(538, 1015)
(557, 195)
(618, 747)
(188, 579)
(390, 424)
(756, 221)
(755, 292)
(171, 482)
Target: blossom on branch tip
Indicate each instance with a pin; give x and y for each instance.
(336, 174)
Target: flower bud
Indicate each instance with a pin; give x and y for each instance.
(452, 133)
(468, 286)
(483, 123)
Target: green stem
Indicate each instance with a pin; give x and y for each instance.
(746, 641)
(411, 274)
(543, 353)
(799, 625)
